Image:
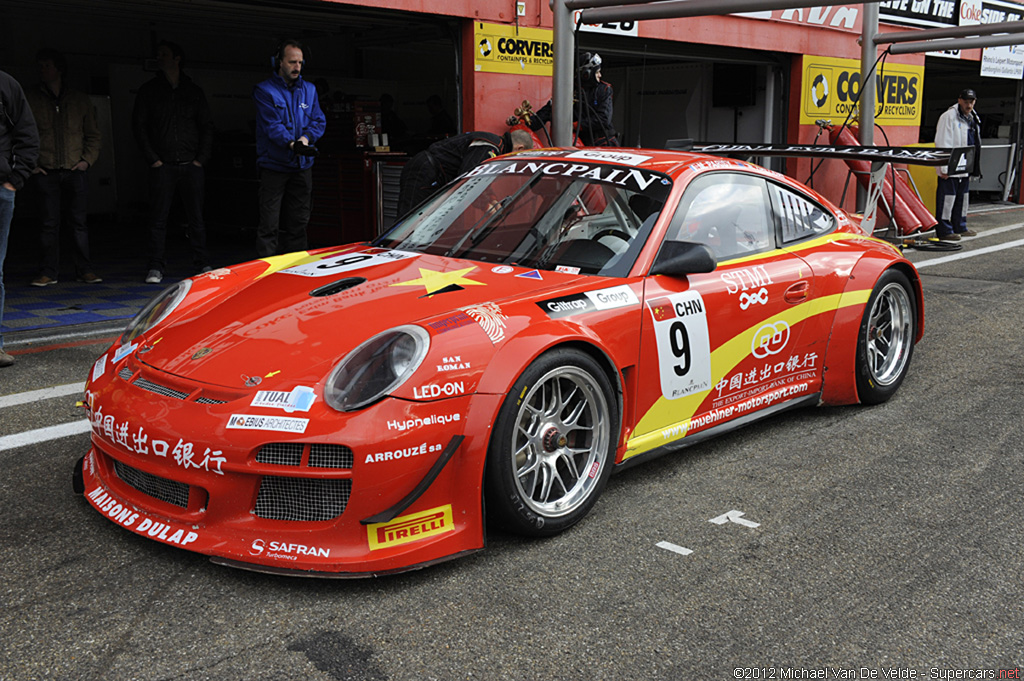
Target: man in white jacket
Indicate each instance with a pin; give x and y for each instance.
(959, 126)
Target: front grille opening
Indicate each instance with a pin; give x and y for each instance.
(329, 456)
(209, 400)
(159, 389)
(165, 490)
(281, 453)
(302, 499)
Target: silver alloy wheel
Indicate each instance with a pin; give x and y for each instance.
(889, 331)
(560, 441)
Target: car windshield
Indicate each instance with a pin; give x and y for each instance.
(543, 214)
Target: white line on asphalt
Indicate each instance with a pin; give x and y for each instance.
(672, 547)
(969, 254)
(998, 230)
(32, 437)
(41, 394)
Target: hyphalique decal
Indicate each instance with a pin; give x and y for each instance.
(684, 345)
(348, 262)
(300, 398)
(490, 318)
(442, 282)
(282, 424)
(442, 419)
(589, 301)
(409, 528)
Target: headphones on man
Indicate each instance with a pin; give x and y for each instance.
(278, 56)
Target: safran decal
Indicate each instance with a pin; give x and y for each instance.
(409, 528)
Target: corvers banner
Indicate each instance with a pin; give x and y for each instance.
(831, 87)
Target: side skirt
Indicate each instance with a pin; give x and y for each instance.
(805, 401)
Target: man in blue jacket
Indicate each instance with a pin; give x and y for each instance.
(288, 124)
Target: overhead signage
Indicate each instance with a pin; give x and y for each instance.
(513, 49)
(946, 13)
(612, 27)
(831, 87)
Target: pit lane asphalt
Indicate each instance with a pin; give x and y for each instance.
(889, 537)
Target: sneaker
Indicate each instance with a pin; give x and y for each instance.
(5, 359)
(949, 237)
(968, 232)
(156, 276)
(89, 278)
(43, 280)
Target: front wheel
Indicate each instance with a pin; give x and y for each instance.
(885, 342)
(553, 445)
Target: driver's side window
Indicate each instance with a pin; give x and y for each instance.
(727, 211)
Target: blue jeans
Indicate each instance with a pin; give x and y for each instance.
(6, 213)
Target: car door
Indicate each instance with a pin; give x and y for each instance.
(719, 346)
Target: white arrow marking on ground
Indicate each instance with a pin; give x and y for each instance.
(734, 517)
(672, 547)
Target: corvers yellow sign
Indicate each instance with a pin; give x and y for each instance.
(507, 49)
(831, 87)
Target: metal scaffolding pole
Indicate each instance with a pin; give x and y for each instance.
(868, 55)
(958, 44)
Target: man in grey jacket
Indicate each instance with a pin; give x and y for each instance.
(958, 126)
(19, 148)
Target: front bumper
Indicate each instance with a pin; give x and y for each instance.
(182, 471)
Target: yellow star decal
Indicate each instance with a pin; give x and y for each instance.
(434, 281)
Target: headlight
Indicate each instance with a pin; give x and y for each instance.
(376, 367)
(156, 311)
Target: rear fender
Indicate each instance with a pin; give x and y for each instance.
(840, 376)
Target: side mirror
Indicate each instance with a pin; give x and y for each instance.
(679, 258)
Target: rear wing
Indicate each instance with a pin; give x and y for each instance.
(955, 160)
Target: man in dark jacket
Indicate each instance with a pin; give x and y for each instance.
(444, 160)
(173, 128)
(19, 147)
(289, 122)
(69, 143)
(591, 111)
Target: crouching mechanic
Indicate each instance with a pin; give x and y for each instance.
(443, 161)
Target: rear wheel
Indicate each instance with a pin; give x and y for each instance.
(885, 342)
(553, 445)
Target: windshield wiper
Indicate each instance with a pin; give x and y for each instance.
(483, 227)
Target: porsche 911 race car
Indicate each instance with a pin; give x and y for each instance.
(548, 317)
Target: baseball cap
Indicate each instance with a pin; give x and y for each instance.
(968, 93)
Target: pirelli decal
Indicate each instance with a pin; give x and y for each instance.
(410, 528)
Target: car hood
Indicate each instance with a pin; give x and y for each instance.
(297, 316)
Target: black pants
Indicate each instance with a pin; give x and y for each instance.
(285, 204)
(62, 191)
(187, 179)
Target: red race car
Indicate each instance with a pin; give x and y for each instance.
(548, 317)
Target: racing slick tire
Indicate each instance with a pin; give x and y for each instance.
(553, 445)
(885, 342)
